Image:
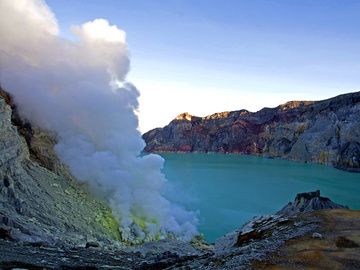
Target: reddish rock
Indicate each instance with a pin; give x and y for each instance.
(326, 132)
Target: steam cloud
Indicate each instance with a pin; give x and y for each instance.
(78, 90)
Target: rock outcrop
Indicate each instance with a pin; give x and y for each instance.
(264, 235)
(40, 202)
(326, 132)
(307, 202)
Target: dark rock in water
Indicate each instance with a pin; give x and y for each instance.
(309, 201)
(326, 132)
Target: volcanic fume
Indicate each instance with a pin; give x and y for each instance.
(78, 89)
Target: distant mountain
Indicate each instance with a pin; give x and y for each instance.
(326, 132)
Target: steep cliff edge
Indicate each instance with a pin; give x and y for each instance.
(326, 132)
(39, 200)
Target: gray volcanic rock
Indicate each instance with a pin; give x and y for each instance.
(307, 202)
(265, 234)
(264, 226)
(326, 132)
(40, 202)
(257, 243)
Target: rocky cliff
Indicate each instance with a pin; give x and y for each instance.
(40, 202)
(326, 132)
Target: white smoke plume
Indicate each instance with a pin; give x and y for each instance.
(78, 90)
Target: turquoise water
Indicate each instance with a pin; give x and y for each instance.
(228, 190)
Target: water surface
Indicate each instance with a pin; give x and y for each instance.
(228, 190)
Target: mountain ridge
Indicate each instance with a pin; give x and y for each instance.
(287, 105)
(325, 131)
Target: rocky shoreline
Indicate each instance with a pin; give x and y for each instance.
(325, 132)
(310, 232)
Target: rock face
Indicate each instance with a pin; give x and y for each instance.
(266, 234)
(39, 200)
(326, 132)
(307, 202)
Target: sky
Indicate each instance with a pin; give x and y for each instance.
(207, 56)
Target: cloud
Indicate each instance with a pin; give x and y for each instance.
(100, 29)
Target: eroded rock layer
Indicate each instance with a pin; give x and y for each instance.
(40, 202)
(326, 132)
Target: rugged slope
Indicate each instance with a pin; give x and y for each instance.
(334, 246)
(310, 234)
(326, 132)
(39, 199)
